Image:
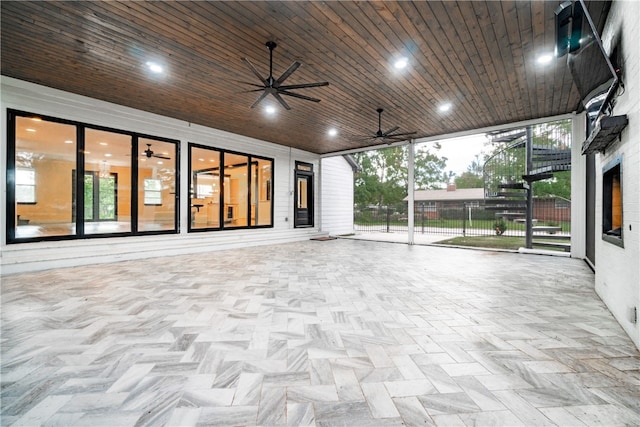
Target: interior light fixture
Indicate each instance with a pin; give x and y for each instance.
(107, 154)
(105, 169)
(401, 63)
(30, 130)
(270, 109)
(154, 67)
(545, 59)
(443, 108)
(103, 143)
(68, 141)
(332, 132)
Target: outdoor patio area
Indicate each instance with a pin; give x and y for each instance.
(337, 332)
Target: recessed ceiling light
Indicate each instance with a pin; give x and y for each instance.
(160, 162)
(270, 109)
(36, 119)
(201, 159)
(545, 59)
(103, 143)
(68, 141)
(401, 63)
(443, 108)
(30, 130)
(107, 154)
(154, 67)
(332, 132)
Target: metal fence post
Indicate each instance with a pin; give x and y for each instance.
(464, 219)
(388, 218)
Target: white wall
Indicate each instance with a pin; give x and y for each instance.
(618, 269)
(21, 95)
(337, 195)
(578, 188)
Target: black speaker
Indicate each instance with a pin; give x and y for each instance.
(564, 14)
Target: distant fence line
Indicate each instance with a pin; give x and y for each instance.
(461, 218)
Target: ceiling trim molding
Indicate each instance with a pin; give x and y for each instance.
(456, 134)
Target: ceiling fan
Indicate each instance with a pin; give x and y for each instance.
(271, 86)
(391, 135)
(149, 153)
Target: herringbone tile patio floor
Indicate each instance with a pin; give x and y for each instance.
(316, 333)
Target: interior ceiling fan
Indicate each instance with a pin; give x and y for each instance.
(390, 136)
(149, 153)
(272, 86)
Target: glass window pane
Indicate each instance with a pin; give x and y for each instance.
(45, 165)
(107, 182)
(204, 184)
(261, 190)
(156, 185)
(236, 190)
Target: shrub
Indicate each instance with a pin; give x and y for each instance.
(500, 226)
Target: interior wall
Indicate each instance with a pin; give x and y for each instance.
(25, 96)
(618, 269)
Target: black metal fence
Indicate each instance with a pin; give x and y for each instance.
(552, 216)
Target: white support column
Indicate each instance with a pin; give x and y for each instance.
(411, 186)
(578, 188)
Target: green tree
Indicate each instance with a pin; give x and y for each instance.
(384, 176)
(472, 177)
(558, 186)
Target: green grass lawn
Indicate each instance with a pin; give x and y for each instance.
(497, 242)
(493, 242)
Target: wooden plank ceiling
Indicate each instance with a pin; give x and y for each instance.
(478, 56)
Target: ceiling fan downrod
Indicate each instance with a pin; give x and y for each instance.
(271, 45)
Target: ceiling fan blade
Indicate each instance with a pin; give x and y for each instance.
(161, 157)
(248, 83)
(277, 96)
(393, 129)
(252, 90)
(260, 98)
(297, 95)
(304, 85)
(286, 74)
(253, 69)
(401, 134)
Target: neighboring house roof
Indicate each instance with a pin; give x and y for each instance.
(448, 195)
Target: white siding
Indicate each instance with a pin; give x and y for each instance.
(20, 95)
(618, 269)
(337, 195)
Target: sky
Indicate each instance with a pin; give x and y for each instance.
(460, 152)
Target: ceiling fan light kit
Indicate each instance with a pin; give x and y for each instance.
(275, 87)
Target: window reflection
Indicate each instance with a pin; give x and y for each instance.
(156, 185)
(237, 193)
(50, 195)
(205, 188)
(45, 156)
(236, 190)
(261, 173)
(107, 182)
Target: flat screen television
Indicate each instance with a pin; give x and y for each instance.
(592, 70)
